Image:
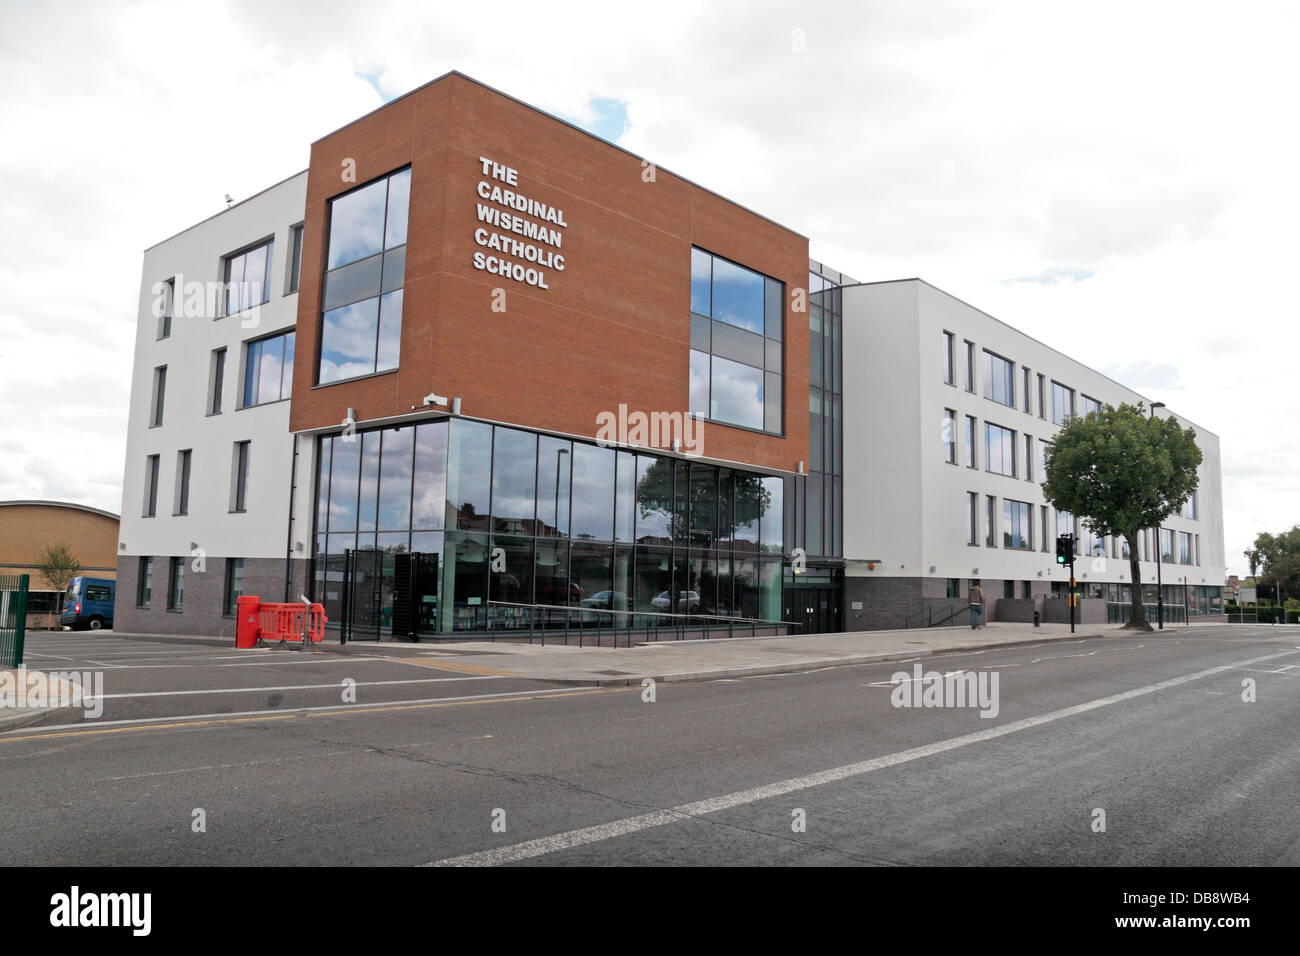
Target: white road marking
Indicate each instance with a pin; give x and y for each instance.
(337, 685)
(219, 766)
(173, 718)
(689, 811)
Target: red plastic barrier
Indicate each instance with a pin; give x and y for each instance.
(246, 626)
(291, 622)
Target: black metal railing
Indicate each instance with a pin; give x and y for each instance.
(926, 617)
(597, 627)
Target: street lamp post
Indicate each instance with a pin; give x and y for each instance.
(1160, 557)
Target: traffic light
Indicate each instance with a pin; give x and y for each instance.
(1065, 549)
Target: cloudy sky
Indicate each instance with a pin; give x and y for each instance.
(1116, 179)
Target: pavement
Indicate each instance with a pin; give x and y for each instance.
(741, 656)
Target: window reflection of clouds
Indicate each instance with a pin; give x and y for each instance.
(395, 479)
(357, 224)
(737, 394)
(737, 296)
(593, 489)
(429, 496)
(348, 341)
(514, 481)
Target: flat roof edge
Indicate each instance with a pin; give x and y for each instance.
(571, 125)
(1198, 428)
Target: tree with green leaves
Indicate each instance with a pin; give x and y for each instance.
(1122, 471)
(57, 567)
(1277, 557)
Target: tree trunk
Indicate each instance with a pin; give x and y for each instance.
(1137, 620)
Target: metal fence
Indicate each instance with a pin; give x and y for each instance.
(604, 627)
(13, 618)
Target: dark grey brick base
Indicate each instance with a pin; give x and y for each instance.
(201, 611)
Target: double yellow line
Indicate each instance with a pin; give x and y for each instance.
(377, 709)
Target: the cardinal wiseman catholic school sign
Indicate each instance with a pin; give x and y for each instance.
(514, 226)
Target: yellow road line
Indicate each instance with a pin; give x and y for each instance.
(459, 667)
(182, 724)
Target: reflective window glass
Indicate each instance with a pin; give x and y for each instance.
(357, 224)
(737, 295)
(395, 479)
(736, 393)
(593, 492)
(469, 474)
(514, 476)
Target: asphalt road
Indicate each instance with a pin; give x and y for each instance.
(1153, 731)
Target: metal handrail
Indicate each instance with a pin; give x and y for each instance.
(679, 624)
(929, 617)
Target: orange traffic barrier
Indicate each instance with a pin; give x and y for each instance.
(291, 623)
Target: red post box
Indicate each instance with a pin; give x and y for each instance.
(246, 627)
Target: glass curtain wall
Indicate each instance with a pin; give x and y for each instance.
(507, 519)
(821, 502)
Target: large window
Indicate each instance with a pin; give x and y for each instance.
(972, 518)
(268, 369)
(1090, 405)
(950, 436)
(970, 366)
(505, 518)
(1017, 525)
(948, 358)
(972, 453)
(1042, 459)
(362, 324)
(1166, 546)
(247, 276)
(999, 380)
(999, 449)
(1190, 507)
(1062, 403)
(1185, 552)
(737, 327)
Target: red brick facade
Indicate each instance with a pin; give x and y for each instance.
(613, 327)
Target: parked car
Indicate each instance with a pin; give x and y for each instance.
(687, 603)
(605, 601)
(89, 603)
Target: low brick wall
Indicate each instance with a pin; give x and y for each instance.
(1089, 611)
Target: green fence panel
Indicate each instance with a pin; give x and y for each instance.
(13, 618)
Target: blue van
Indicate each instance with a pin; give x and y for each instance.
(89, 603)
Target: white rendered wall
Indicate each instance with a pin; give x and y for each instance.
(196, 255)
(905, 504)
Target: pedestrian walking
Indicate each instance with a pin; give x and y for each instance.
(976, 606)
